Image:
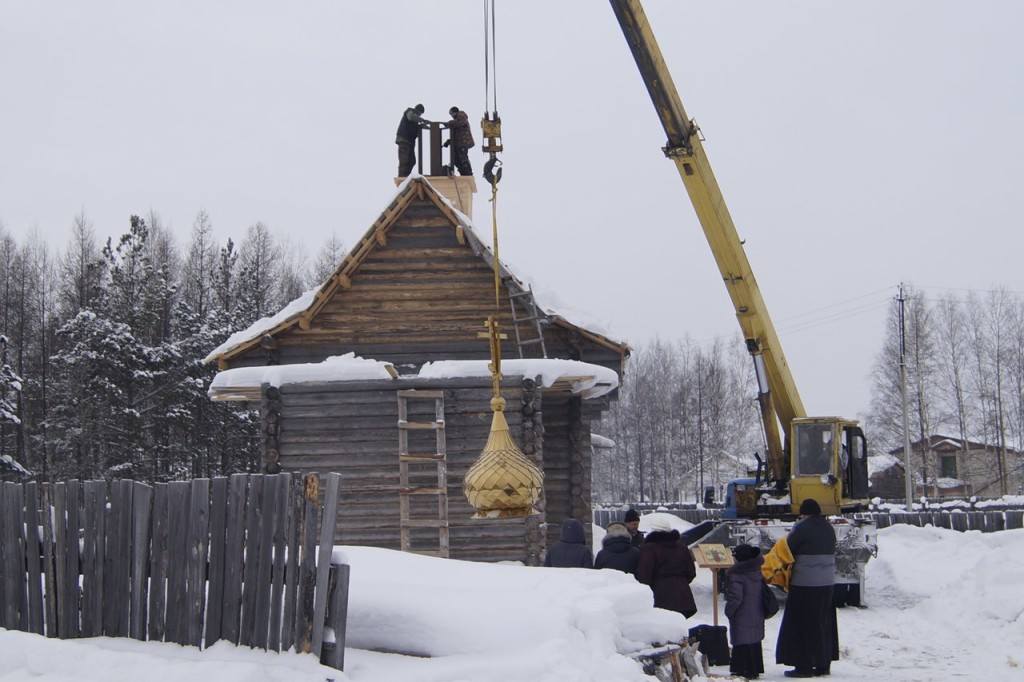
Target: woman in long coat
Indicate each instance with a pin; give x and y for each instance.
(667, 566)
(744, 607)
(808, 636)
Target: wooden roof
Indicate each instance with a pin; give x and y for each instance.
(414, 188)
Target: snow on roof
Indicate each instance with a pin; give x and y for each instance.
(265, 324)
(590, 381)
(228, 385)
(599, 441)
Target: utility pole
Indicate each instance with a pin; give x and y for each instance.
(903, 392)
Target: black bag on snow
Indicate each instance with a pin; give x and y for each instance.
(713, 642)
(770, 601)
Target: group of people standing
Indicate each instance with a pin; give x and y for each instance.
(803, 563)
(660, 559)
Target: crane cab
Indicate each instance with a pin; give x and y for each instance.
(828, 464)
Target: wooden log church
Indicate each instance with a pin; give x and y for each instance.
(380, 375)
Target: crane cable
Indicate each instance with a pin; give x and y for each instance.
(491, 122)
(490, 56)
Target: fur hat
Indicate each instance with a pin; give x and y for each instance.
(616, 528)
(631, 515)
(660, 523)
(810, 508)
(744, 552)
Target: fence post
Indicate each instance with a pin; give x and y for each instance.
(328, 520)
(338, 616)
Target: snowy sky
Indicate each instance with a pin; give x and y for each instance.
(941, 605)
(857, 144)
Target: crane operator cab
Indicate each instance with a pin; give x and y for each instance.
(828, 464)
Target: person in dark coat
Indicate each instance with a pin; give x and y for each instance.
(571, 550)
(632, 521)
(408, 132)
(461, 140)
(667, 566)
(617, 551)
(744, 608)
(809, 636)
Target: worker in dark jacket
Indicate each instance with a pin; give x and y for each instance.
(744, 607)
(808, 636)
(461, 140)
(571, 550)
(408, 132)
(617, 551)
(667, 566)
(632, 522)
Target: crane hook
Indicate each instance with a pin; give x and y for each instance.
(490, 175)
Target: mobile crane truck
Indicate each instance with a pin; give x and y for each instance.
(819, 458)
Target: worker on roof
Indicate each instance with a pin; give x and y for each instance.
(408, 132)
(461, 140)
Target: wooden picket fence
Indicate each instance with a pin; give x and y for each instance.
(191, 562)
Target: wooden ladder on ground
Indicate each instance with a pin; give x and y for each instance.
(533, 316)
(413, 463)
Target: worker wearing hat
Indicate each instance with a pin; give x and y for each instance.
(632, 523)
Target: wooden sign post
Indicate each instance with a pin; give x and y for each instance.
(713, 557)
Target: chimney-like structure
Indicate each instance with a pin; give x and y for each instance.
(458, 189)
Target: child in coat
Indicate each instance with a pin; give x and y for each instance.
(745, 609)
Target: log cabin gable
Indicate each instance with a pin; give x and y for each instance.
(418, 278)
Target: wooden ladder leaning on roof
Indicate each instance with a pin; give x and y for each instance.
(533, 315)
(420, 465)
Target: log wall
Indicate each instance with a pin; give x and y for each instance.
(351, 428)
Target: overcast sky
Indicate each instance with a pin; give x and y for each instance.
(857, 144)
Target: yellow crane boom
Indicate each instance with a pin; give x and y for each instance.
(780, 400)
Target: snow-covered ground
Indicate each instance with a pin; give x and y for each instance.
(941, 605)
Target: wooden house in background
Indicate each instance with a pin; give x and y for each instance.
(380, 375)
(955, 468)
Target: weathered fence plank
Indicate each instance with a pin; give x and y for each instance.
(307, 567)
(196, 556)
(295, 506)
(158, 565)
(142, 509)
(33, 552)
(122, 490)
(215, 585)
(337, 616)
(72, 556)
(252, 549)
(233, 558)
(177, 537)
(327, 522)
(94, 495)
(49, 561)
(14, 555)
(265, 563)
(60, 534)
(281, 485)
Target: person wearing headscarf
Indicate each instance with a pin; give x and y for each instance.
(809, 636)
(744, 607)
(667, 566)
(571, 550)
(617, 551)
